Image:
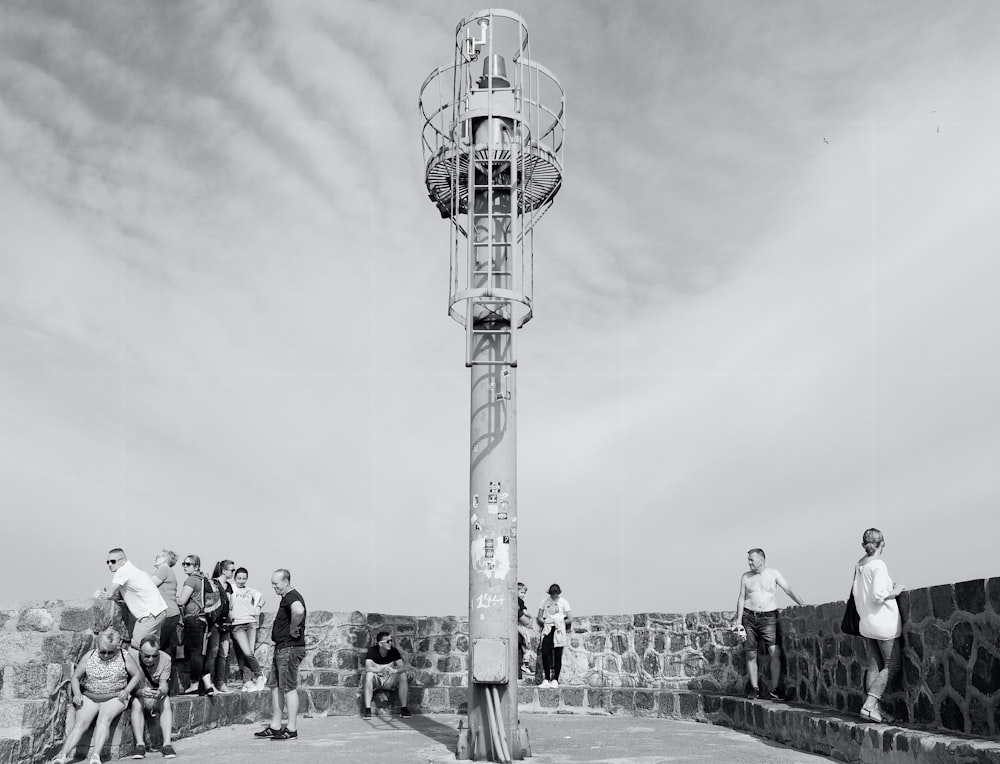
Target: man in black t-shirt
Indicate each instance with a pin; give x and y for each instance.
(384, 669)
(288, 635)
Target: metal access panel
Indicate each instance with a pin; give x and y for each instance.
(489, 661)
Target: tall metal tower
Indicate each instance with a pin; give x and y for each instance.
(492, 140)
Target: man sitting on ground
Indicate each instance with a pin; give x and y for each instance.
(384, 670)
(152, 696)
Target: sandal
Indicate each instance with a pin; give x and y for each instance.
(872, 714)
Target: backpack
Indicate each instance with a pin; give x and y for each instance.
(211, 599)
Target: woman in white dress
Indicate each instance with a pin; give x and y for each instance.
(875, 597)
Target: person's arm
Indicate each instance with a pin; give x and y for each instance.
(371, 666)
(158, 579)
(298, 616)
(568, 616)
(882, 588)
(74, 682)
(164, 688)
(135, 676)
(779, 579)
(739, 600)
(185, 595)
(110, 592)
(541, 616)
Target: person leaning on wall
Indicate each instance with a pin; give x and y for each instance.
(875, 597)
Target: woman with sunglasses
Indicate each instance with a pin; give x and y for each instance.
(191, 600)
(101, 688)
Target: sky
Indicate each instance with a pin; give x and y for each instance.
(765, 300)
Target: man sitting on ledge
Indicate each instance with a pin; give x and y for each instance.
(152, 696)
(384, 670)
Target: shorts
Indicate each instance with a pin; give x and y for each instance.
(285, 668)
(390, 682)
(762, 628)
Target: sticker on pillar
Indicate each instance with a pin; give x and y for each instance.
(475, 501)
(501, 515)
(496, 564)
(506, 539)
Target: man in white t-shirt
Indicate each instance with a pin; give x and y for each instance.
(141, 596)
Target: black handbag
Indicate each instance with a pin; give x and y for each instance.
(851, 623)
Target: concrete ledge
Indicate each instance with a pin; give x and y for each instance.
(838, 736)
(806, 728)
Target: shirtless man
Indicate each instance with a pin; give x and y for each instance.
(757, 617)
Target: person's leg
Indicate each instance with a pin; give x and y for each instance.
(369, 688)
(166, 721)
(877, 674)
(402, 688)
(292, 708)
(221, 673)
(138, 722)
(146, 626)
(109, 711)
(211, 651)
(750, 626)
(775, 678)
(277, 694)
(244, 656)
(890, 651)
(556, 662)
(85, 716)
(194, 643)
(290, 684)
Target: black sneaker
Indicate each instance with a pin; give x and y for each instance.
(285, 734)
(140, 752)
(268, 732)
(753, 693)
(169, 752)
(404, 712)
(772, 695)
(366, 713)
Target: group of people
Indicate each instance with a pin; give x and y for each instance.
(879, 621)
(203, 619)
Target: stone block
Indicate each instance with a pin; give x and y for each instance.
(573, 696)
(993, 594)
(442, 645)
(942, 601)
(923, 710)
(919, 606)
(986, 672)
(979, 720)
(961, 639)
(347, 660)
(951, 714)
(76, 619)
(458, 699)
(33, 680)
(934, 674)
(970, 596)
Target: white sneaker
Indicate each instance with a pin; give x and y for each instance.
(555, 683)
(545, 684)
(262, 682)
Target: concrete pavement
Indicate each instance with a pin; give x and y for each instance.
(431, 738)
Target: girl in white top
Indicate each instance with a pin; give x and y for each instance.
(554, 616)
(875, 597)
(244, 607)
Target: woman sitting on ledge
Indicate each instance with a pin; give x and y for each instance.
(111, 676)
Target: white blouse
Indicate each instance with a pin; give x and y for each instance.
(879, 616)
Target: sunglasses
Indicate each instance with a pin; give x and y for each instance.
(111, 562)
(106, 652)
(187, 564)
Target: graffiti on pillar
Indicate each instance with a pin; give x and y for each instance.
(490, 556)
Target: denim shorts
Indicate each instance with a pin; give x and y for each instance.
(285, 668)
(762, 628)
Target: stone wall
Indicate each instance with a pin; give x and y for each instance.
(950, 676)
